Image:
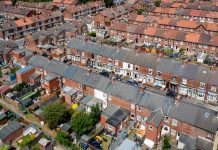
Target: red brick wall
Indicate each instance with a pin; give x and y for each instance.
(25, 76)
(49, 87)
(13, 136)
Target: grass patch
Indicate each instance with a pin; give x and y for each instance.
(27, 95)
(131, 134)
(36, 147)
(106, 143)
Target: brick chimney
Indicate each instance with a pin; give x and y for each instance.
(141, 89)
(89, 71)
(213, 67)
(113, 79)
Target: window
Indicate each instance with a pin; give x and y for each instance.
(150, 127)
(136, 67)
(174, 122)
(202, 85)
(139, 108)
(184, 81)
(109, 97)
(116, 62)
(158, 73)
(129, 66)
(213, 88)
(132, 106)
(150, 71)
(209, 136)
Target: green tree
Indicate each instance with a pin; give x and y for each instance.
(95, 114)
(166, 142)
(19, 86)
(81, 122)
(108, 3)
(55, 114)
(5, 147)
(157, 3)
(14, 2)
(64, 139)
(139, 11)
(92, 34)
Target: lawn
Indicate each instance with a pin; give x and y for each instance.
(27, 95)
(106, 143)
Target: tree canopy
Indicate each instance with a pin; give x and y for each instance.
(157, 3)
(64, 139)
(95, 114)
(55, 114)
(108, 3)
(81, 122)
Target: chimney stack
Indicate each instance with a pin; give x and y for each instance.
(89, 71)
(113, 79)
(213, 67)
(141, 89)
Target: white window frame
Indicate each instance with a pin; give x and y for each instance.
(151, 127)
(174, 122)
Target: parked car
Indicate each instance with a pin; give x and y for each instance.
(171, 93)
(104, 73)
(132, 82)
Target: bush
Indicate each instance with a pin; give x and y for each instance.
(157, 3)
(92, 34)
(64, 139)
(55, 114)
(26, 140)
(166, 142)
(19, 86)
(5, 147)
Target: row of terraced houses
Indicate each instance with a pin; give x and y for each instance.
(158, 114)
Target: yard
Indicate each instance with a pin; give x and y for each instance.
(132, 132)
(106, 142)
(27, 95)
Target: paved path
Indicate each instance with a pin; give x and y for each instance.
(29, 117)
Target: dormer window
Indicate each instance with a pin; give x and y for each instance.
(202, 85)
(150, 71)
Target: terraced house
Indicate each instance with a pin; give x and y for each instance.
(173, 23)
(83, 10)
(21, 27)
(171, 38)
(181, 13)
(193, 81)
(159, 113)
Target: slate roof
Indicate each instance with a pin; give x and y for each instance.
(204, 144)
(9, 129)
(117, 117)
(193, 114)
(192, 143)
(196, 115)
(156, 117)
(188, 71)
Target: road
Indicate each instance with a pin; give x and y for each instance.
(29, 117)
